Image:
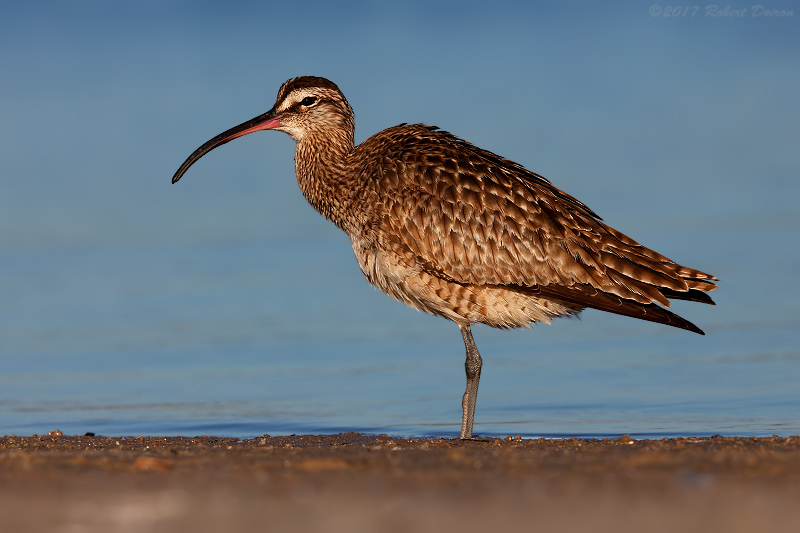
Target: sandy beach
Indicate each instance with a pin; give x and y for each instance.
(352, 482)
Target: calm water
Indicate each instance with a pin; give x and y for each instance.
(278, 337)
(224, 305)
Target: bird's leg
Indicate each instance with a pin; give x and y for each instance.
(473, 368)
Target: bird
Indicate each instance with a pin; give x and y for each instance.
(456, 231)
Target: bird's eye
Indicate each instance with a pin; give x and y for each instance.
(309, 100)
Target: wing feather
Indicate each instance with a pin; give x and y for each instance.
(472, 217)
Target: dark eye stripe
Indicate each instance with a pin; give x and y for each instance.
(309, 100)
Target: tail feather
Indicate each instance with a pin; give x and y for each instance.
(586, 296)
(692, 295)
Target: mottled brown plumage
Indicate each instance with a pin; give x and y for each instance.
(459, 232)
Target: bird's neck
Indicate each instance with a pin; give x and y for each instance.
(323, 171)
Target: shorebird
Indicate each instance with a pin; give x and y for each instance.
(459, 232)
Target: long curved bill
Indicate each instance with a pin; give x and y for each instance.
(267, 121)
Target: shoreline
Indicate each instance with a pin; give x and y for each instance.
(354, 482)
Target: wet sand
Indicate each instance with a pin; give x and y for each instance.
(354, 483)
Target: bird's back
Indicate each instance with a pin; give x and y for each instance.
(445, 209)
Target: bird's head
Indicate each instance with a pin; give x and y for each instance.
(310, 105)
(305, 106)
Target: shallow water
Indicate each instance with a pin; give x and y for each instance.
(242, 339)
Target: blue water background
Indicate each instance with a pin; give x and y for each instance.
(224, 305)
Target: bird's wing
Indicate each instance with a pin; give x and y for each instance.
(473, 217)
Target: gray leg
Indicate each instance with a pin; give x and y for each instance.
(473, 367)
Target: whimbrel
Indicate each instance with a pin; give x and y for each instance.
(459, 232)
